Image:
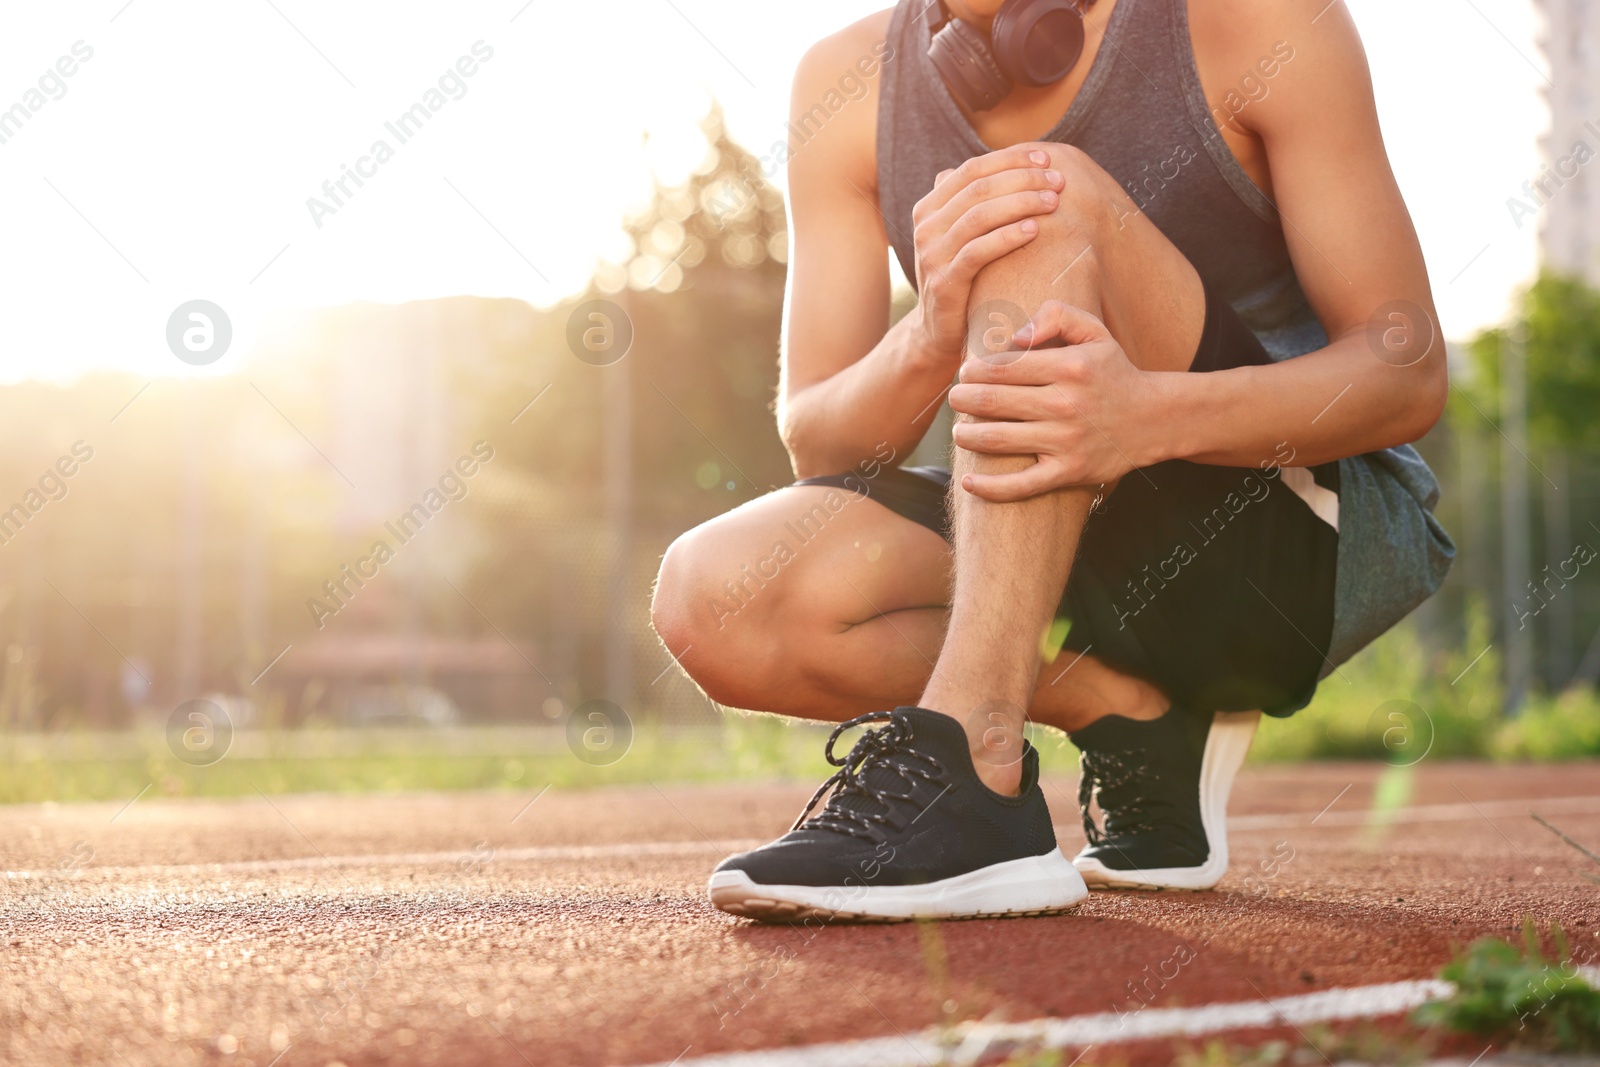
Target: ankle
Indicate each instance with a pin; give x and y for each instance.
(1007, 780)
(994, 729)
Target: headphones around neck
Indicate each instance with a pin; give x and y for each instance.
(1032, 42)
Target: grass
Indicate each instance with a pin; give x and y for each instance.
(1562, 727)
(105, 766)
(1514, 995)
(116, 766)
(1398, 701)
(1315, 1046)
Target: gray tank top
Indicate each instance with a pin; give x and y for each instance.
(1143, 116)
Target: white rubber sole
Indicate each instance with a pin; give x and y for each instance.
(1226, 747)
(1034, 885)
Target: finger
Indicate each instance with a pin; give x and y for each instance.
(1015, 157)
(1031, 366)
(1011, 403)
(982, 251)
(1042, 326)
(986, 216)
(993, 186)
(1003, 438)
(1056, 320)
(1039, 477)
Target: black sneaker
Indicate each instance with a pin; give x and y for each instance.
(1163, 791)
(909, 832)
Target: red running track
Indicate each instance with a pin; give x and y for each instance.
(471, 928)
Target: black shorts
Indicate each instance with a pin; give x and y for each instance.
(1214, 583)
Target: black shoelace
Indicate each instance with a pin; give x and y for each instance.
(883, 747)
(1122, 782)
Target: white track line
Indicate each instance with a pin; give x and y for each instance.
(1421, 814)
(967, 1044)
(705, 849)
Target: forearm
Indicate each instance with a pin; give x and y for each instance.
(891, 395)
(1338, 401)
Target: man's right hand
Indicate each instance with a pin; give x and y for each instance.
(974, 215)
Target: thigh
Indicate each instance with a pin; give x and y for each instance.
(1215, 583)
(821, 553)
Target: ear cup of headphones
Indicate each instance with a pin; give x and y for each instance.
(961, 55)
(1037, 42)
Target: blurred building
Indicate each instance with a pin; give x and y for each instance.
(1566, 194)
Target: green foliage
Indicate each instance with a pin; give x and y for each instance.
(1034, 1057)
(116, 766)
(1318, 1045)
(1561, 317)
(1397, 701)
(1561, 727)
(1223, 1054)
(1516, 995)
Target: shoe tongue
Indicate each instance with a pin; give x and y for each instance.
(945, 739)
(932, 734)
(938, 735)
(1143, 769)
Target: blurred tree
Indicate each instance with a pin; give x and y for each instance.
(708, 274)
(349, 415)
(1561, 318)
(1549, 356)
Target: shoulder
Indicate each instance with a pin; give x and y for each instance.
(833, 108)
(1244, 31)
(1243, 24)
(1296, 54)
(858, 47)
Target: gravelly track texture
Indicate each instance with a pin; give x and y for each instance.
(293, 930)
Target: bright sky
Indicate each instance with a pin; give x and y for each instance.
(177, 162)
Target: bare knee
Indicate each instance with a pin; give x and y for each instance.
(1090, 196)
(1073, 237)
(714, 612)
(1097, 251)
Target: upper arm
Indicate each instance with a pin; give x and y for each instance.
(1351, 238)
(837, 305)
